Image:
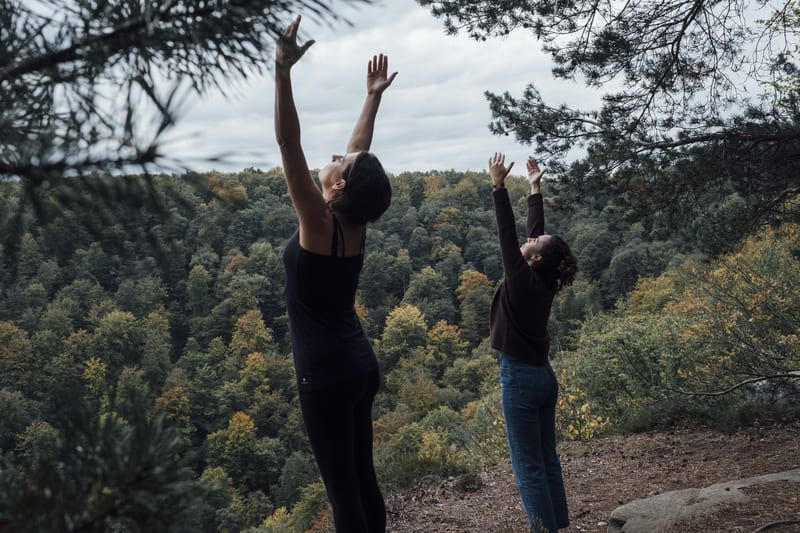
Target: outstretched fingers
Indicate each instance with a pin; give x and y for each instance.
(288, 51)
(291, 30)
(377, 74)
(535, 172)
(497, 164)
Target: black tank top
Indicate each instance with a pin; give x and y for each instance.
(328, 343)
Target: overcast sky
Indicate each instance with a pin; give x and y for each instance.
(434, 116)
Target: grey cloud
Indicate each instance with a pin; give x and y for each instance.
(434, 116)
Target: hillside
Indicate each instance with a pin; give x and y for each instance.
(161, 338)
(607, 472)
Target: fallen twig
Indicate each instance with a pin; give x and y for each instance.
(777, 523)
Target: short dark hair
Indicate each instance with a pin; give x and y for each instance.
(368, 192)
(558, 266)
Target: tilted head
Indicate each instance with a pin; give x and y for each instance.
(552, 258)
(356, 187)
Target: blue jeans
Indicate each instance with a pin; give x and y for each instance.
(529, 407)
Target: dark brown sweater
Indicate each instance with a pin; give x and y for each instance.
(521, 305)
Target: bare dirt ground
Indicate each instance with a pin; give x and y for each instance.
(605, 473)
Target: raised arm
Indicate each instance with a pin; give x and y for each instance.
(513, 262)
(306, 197)
(377, 82)
(535, 207)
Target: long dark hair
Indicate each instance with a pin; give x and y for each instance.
(558, 265)
(368, 192)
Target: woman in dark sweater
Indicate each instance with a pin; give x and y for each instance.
(533, 274)
(337, 371)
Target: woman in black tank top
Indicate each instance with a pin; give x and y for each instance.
(337, 372)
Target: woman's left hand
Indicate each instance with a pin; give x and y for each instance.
(497, 169)
(288, 52)
(534, 172)
(377, 79)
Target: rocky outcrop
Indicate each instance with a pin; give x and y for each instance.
(664, 511)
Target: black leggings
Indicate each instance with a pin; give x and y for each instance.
(338, 421)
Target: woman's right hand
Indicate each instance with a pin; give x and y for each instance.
(288, 52)
(377, 75)
(497, 169)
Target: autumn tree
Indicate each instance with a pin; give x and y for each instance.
(429, 292)
(405, 330)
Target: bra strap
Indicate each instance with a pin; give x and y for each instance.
(363, 239)
(337, 234)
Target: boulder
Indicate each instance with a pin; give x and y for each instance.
(664, 511)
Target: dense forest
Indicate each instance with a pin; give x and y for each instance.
(145, 368)
(146, 379)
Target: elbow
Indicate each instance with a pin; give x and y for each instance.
(285, 141)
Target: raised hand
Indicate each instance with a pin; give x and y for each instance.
(534, 172)
(288, 52)
(497, 169)
(377, 70)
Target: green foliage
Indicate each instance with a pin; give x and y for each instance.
(18, 411)
(251, 461)
(485, 428)
(250, 335)
(156, 358)
(396, 461)
(634, 261)
(131, 395)
(573, 305)
(174, 407)
(469, 374)
(429, 292)
(444, 443)
(221, 494)
(197, 291)
(140, 297)
(673, 118)
(16, 353)
(384, 278)
(201, 343)
(444, 345)
(704, 331)
(299, 471)
(304, 515)
(37, 444)
(245, 511)
(675, 147)
(45, 141)
(727, 415)
(99, 473)
(405, 330)
(118, 341)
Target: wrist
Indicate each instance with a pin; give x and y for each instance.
(282, 69)
(498, 185)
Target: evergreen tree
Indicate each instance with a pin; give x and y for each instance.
(60, 61)
(699, 97)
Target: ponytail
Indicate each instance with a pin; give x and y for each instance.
(558, 266)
